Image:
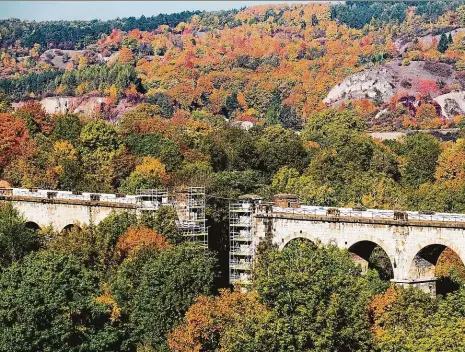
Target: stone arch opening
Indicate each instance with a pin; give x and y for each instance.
(32, 226)
(433, 264)
(298, 239)
(371, 255)
(71, 227)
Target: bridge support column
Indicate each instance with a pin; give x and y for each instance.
(426, 285)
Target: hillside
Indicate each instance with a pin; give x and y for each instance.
(266, 64)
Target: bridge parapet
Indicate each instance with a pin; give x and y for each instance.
(68, 197)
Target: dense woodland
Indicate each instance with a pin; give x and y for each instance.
(192, 80)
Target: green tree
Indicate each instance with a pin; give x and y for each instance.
(165, 224)
(99, 135)
(156, 288)
(443, 43)
(289, 118)
(68, 128)
(411, 320)
(231, 104)
(333, 128)
(163, 102)
(16, 240)
(421, 151)
(49, 302)
(109, 231)
(318, 296)
(5, 105)
(155, 145)
(279, 147)
(233, 149)
(314, 20)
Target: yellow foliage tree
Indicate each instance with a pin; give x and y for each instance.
(152, 167)
(427, 117)
(83, 62)
(451, 162)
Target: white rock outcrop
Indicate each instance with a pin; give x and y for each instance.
(452, 104)
(63, 105)
(365, 84)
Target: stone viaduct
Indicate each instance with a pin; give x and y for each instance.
(413, 243)
(64, 209)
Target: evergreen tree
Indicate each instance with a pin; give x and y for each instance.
(443, 44)
(314, 20)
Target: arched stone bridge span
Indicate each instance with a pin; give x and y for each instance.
(64, 209)
(413, 243)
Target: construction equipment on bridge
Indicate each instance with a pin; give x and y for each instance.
(286, 200)
(241, 249)
(333, 212)
(400, 215)
(190, 208)
(152, 199)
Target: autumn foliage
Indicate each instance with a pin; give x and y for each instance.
(138, 237)
(14, 135)
(205, 324)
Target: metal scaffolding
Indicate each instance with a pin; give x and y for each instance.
(190, 208)
(152, 199)
(241, 250)
(191, 212)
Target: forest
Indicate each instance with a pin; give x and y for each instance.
(231, 101)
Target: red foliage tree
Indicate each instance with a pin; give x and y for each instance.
(13, 137)
(428, 87)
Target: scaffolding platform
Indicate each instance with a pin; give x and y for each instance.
(189, 204)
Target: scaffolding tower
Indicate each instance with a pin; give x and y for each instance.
(191, 213)
(189, 204)
(241, 249)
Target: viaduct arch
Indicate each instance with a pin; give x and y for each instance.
(413, 247)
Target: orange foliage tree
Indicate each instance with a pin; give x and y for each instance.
(426, 116)
(36, 118)
(451, 162)
(126, 56)
(449, 264)
(207, 322)
(137, 237)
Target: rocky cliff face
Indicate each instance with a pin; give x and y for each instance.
(87, 106)
(63, 105)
